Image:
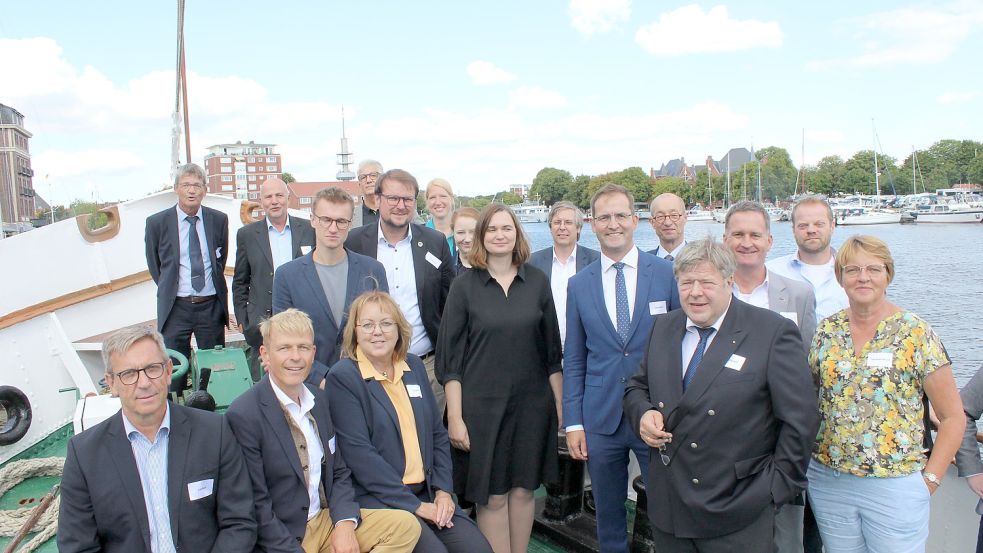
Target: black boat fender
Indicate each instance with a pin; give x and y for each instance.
(18, 410)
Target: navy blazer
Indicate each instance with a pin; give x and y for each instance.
(432, 283)
(596, 365)
(296, 284)
(543, 259)
(744, 432)
(102, 502)
(162, 241)
(368, 431)
(279, 488)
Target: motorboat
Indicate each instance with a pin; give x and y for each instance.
(862, 215)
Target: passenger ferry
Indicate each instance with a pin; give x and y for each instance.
(530, 212)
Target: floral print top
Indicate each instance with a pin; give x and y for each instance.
(871, 404)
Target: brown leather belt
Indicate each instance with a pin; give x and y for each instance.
(196, 299)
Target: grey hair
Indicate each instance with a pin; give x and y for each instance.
(565, 204)
(748, 206)
(705, 250)
(190, 169)
(369, 163)
(122, 340)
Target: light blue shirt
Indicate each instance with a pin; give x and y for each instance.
(184, 287)
(281, 244)
(401, 274)
(830, 297)
(151, 459)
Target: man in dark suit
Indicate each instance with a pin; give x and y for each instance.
(418, 263)
(724, 396)
(368, 213)
(301, 485)
(667, 215)
(155, 476)
(565, 258)
(187, 247)
(324, 282)
(262, 248)
(610, 307)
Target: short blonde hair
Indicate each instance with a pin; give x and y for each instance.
(439, 183)
(290, 321)
(386, 303)
(479, 255)
(460, 212)
(863, 243)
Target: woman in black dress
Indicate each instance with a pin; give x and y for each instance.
(498, 357)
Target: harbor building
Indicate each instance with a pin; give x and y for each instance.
(17, 204)
(238, 169)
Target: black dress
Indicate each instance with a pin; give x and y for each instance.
(502, 349)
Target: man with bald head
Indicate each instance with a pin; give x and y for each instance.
(261, 248)
(668, 219)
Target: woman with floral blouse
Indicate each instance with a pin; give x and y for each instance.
(869, 480)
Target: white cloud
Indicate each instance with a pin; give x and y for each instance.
(825, 136)
(486, 73)
(61, 164)
(958, 96)
(690, 30)
(534, 97)
(598, 16)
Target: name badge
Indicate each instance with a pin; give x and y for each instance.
(880, 359)
(736, 362)
(657, 307)
(433, 260)
(331, 444)
(200, 489)
(304, 250)
(414, 390)
(791, 315)
(218, 252)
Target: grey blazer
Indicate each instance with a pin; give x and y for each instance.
(786, 295)
(543, 259)
(968, 457)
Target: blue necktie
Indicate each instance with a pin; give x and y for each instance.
(194, 250)
(621, 302)
(701, 347)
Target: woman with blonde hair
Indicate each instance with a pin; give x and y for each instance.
(440, 204)
(463, 223)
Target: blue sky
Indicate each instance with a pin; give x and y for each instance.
(483, 93)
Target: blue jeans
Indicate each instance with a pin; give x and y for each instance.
(876, 515)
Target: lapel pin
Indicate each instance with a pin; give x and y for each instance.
(419, 244)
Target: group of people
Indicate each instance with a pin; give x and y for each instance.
(411, 368)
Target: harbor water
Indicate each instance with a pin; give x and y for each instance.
(938, 274)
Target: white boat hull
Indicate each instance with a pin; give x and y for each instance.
(869, 218)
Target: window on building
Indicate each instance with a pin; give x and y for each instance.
(226, 160)
(270, 160)
(305, 200)
(226, 169)
(227, 179)
(251, 160)
(252, 177)
(252, 186)
(271, 168)
(251, 168)
(226, 188)
(253, 195)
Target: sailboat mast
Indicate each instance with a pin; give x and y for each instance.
(728, 180)
(184, 82)
(877, 175)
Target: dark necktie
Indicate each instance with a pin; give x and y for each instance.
(621, 302)
(194, 250)
(694, 362)
(669, 258)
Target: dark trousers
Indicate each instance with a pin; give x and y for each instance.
(463, 537)
(753, 538)
(255, 339)
(204, 320)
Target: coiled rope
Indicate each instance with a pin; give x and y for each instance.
(12, 520)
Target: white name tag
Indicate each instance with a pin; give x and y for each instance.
(433, 260)
(331, 444)
(881, 359)
(414, 390)
(735, 362)
(791, 315)
(657, 307)
(200, 489)
(218, 252)
(304, 250)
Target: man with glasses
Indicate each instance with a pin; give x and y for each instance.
(324, 282)
(187, 247)
(262, 248)
(611, 305)
(418, 263)
(668, 218)
(156, 476)
(368, 172)
(565, 258)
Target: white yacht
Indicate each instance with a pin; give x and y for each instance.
(530, 212)
(862, 215)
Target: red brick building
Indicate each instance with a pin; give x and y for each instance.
(16, 187)
(238, 169)
(302, 193)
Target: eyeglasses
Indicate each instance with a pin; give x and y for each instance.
(130, 376)
(327, 221)
(187, 185)
(853, 271)
(664, 454)
(369, 327)
(673, 217)
(367, 176)
(606, 219)
(393, 201)
(558, 223)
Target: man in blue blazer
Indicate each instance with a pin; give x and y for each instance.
(187, 247)
(324, 282)
(156, 476)
(565, 258)
(610, 309)
(301, 485)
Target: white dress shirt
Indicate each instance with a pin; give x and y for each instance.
(692, 339)
(830, 297)
(561, 273)
(758, 297)
(315, 451)
(184, 287)
(662, 252)
(609, 273)
(398, 260)
(281, 244)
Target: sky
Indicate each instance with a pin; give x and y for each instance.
(482, 93)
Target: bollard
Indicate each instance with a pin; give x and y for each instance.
(641, 541)
(564, 498)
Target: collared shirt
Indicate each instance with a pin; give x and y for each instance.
(151, 459)
(757, 297)
(608, 275)
(315, 450)
(281, 243)
(692, 339)
(369, 216)
(662, 252)
(400, 398)
(184, 287)
(398, 260)
(562, 270)
(830, 296)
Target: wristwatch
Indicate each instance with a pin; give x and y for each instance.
(932, 478)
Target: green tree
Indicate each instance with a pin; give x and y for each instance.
(480, 202)
(510, 198)
(636, 181)
(550, 185)
(777, 173)
(826, 177)
(577, 190)
(975, 170)
(288, 178)
(674, 185)
(81, 207)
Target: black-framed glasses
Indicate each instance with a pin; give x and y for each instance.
(673, 217)
(394, 201)
(130, 376)
(327, 221)
(367, 176)
(369, 327)
(606, 219)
